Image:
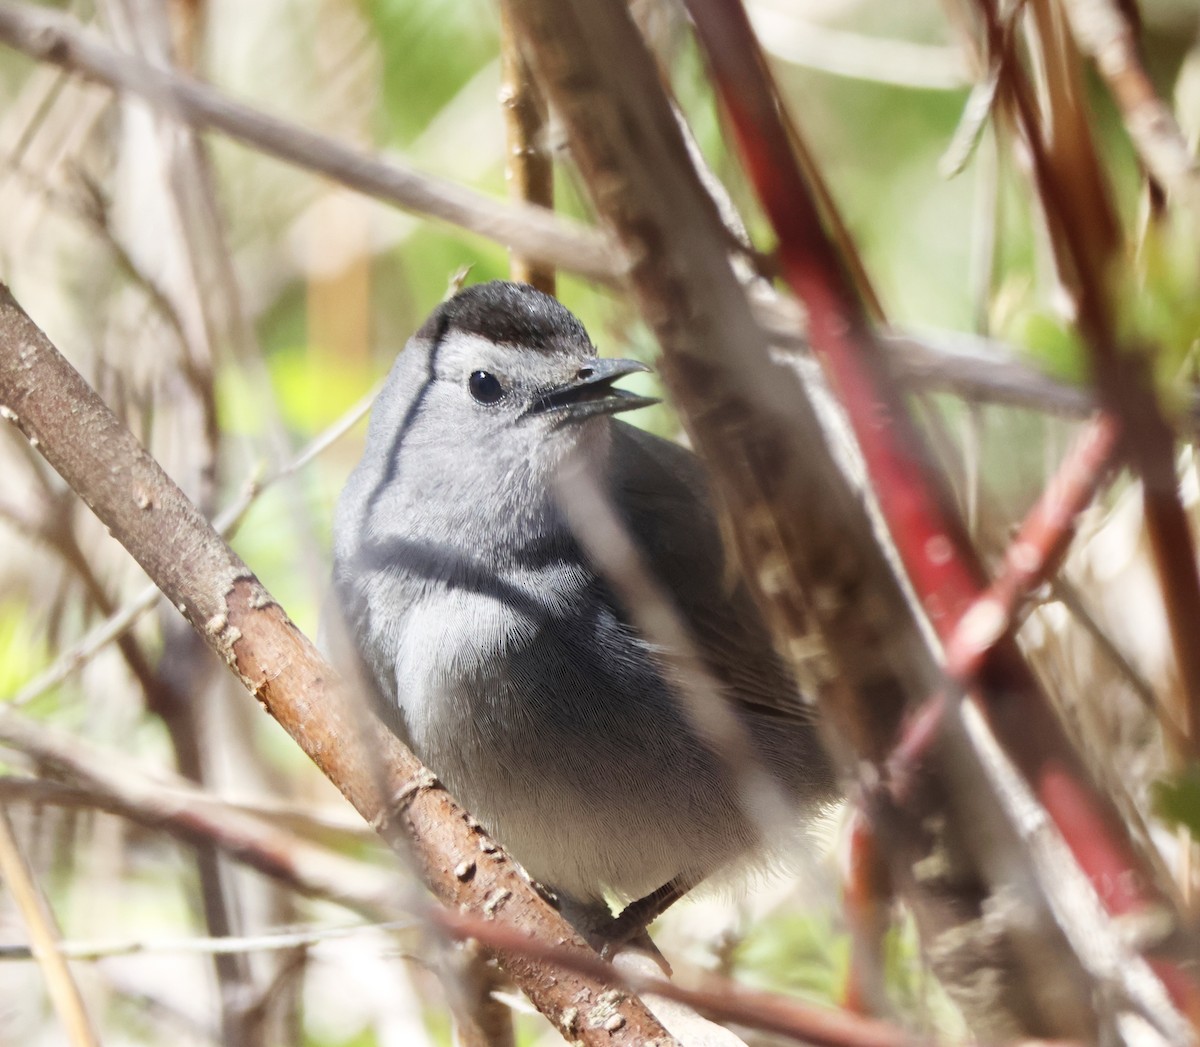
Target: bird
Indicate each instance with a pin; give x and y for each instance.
(503, 656)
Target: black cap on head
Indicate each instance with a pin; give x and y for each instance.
(504, 312)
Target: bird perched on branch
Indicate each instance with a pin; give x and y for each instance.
(504, 657)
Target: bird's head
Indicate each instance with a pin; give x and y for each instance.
(504, 368)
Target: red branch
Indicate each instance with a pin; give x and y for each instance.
(1039, 547)
(1030, 560)
(929, 538)
(868, 894)
(718, 998)
(1076, 207)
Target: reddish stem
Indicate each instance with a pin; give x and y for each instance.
(1075, 204)
(930, 539)
(868, 894)
(1031, 558)
(718, 998)
(1038, 548)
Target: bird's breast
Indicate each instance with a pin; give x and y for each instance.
(457, 642)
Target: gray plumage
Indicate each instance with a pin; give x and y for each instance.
(501, 657)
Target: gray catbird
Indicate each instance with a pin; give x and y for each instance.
(498, 652)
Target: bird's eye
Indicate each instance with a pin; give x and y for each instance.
(485, 387)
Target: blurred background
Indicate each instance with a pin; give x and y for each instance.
(233, 310)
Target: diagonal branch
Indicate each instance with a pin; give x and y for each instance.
(937, 555)
(216, 592)
(532, 231)
(189, 814)
(802, 532)
(39, 922)
(1103, 30)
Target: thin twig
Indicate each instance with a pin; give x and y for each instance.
(609, 545)
(188, 813)
(901, 63)
(227, 521)
(718, 998)
(1066, 593)
(1031, 558)
(340, 829)
(532, 231)
(528, 166)
(1103, 30)
(1037, 550)
(305, 938)
(40, 924)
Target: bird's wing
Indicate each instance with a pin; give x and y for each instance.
(662, 493)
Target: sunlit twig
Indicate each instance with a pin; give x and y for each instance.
(530, 230)
(38, 921)
(75, 657)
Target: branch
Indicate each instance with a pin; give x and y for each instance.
(803, 534)
(190, 814)
(1102, 29)
(39, 922)
(528, 166)
(713, 996)
(283, 940)
(1031, 559)
(60, 414)
(531, 231)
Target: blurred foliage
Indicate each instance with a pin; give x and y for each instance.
(1158, 310)
(429, 52)
(1177, 799)
(24, 649)
(807, 954)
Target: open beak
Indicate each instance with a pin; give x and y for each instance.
(591, 391)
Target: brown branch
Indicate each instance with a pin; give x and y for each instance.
(867, 894)
(326, 826)
(716, 997)
(57, 411)
(534, 232)
(189, 814)
(1091, 229)
(802, 532)
(528, 166)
